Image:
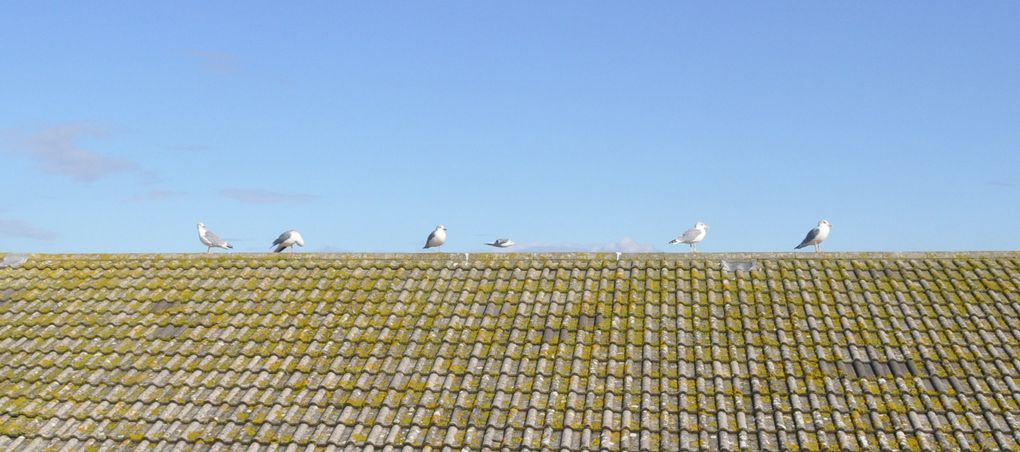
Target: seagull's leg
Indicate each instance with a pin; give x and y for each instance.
(208, 249)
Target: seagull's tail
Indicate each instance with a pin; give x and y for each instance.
(673, 242)
(229, 246)
(802, 245)
(279, 248)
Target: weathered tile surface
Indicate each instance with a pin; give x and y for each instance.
(844, 351)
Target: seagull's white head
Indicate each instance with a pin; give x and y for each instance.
(824, 223)
(440, 228)
(201, 225)
(298, 239)
(701, 225)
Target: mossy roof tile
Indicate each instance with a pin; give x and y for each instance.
(839, 351)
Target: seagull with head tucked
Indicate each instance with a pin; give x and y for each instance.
(816, 236)
(437, 238)
(502, 243)
(210, 239)
(288, 240)
(692, 236)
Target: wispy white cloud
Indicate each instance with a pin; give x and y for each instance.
(625, 245)
(255, 196)
(550, 247)
(25, 230)
(58, 150)
(187, 148)
(222, 63)
(154, 195)
(331, 249)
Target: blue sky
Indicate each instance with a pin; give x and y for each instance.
(570, 126)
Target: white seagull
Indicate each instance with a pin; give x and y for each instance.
(209, 239)
(816, 236)
(288, 240)
(692, 236)
(502, 243)
(437, 238)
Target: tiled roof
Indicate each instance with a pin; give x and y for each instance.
(838, 351)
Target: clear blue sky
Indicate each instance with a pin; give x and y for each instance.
(571, 125)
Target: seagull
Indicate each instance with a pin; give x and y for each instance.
(692, 236)
(437, 238)
(816, 236)
(502, 243)
(288, 240)
(210, 239)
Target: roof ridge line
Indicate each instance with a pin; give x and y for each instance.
(459, 257)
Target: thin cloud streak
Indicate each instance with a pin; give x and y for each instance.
(332, 249)
(550, 247)
(188, 148)
(625, 245)
(254, 196)
(57, 150)
(25, 230)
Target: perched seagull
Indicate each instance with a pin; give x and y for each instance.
(692, 236)
(437, 238)
(209, 239)
(502, 243)
(288, 240)
(816, 236)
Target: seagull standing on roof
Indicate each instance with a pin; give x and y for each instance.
(437, 238)
(288, 240)
(502, 243)
(209, 239)
(816, 236)
(692, 236)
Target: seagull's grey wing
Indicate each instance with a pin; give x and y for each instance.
(689, 235)
(214, 239)
(432, 235)
(282, 238)
(807, 240)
